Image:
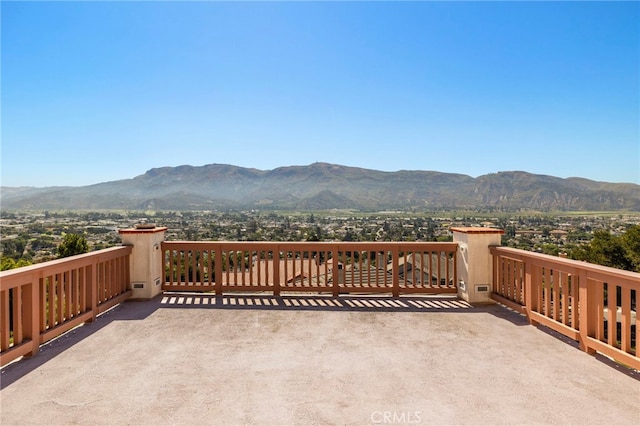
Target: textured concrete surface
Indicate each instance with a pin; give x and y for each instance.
(264, 360)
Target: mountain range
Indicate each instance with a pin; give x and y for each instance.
(323, 186)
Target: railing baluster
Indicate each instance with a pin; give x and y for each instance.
(285, 279)
(59, 298)
(455, 268)
(335, 279)
(563, 280)
(82, 289)
(194, 267)
(612, 314)
(449, 279)
(219, 267)
(276, 271)
(421, 274)
(439, 269)
(573, 286)
(209, 273)
(599, 305)
(508, 277)
(395, 268)
(201, 267)
(5, 331)
(17, 315)
(42, 307)
(555, 295)
(625, 326)
(309, 272)
(32, 313)
(68, 296)
(51, 301)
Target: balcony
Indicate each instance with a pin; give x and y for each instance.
(322, 333)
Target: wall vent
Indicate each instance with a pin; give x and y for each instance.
(482, 288)
(138, 285)
(157, 282)
(462, 286)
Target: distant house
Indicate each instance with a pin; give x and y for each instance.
(295, 270)
(528, 232)
(559, 234)
(417, 268)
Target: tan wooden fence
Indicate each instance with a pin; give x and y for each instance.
(594, 305)
(40, 302)
(317, 267)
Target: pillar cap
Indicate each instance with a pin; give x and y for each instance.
(142, 230)
(476, 230)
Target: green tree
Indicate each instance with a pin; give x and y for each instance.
(8, 263)
(631, 243)
(314, 235)
(550, 249)
(73, 244)
(348, 236)
(14, 247)
(609, 250)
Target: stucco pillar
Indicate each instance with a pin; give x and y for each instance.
(475, 265)
(145, 262)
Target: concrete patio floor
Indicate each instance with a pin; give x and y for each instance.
(198, 360)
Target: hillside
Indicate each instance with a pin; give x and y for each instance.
(322, 186)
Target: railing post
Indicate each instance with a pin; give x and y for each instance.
(395, 280)
(275, 261)
(218, 269)
(475, 262)
(335, 271)
(32, 312)
(92, 290)
(146, 263)
(531, 281)
(587, 315)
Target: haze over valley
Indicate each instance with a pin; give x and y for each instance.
(324, 186)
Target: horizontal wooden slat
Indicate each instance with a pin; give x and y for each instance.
(509, 303)
(554, 325)
(615, 353)
(562, 264)
(105, 306)
(66, 326)
(16, 352)
(18, 276)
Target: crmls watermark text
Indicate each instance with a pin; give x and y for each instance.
(396, 417)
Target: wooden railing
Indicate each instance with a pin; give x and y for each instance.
(594, 305)
(396, 268)
(40, 302)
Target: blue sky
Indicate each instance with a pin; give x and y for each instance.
(94, 92)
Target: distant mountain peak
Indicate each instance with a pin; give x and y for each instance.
(322, 185)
